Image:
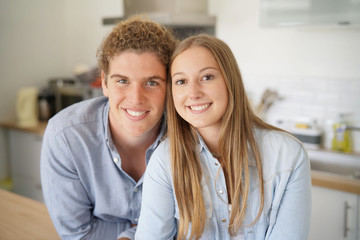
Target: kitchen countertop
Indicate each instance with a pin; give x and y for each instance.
(39, 129)
(334, 181)
(335, 170)
(24, 218)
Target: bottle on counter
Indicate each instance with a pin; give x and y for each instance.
(342, 136)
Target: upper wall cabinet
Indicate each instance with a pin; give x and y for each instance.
(286, 13)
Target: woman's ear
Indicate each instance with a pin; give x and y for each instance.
(104, 84)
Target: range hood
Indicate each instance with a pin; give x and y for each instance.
(185, 17)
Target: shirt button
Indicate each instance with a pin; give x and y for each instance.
(115, 160)
(221, 191)
(223, 220)
(136, 219)
(216, 163)
(135, 190)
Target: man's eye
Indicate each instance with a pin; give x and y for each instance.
(152, 83)
(122, 81)
(179, 82)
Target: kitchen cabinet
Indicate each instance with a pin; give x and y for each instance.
(25, 148)
(288, 13)
(335, 215)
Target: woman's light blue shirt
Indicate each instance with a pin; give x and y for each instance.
(287, 188)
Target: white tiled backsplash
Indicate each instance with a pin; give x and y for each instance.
(321, 99)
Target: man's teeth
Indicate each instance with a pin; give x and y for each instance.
(135, 113)
(199, 108)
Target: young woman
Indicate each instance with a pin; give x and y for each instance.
(222, 173)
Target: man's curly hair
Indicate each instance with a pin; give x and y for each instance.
(137, 34)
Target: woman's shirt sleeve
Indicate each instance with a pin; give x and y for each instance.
(157, 216)
(293, 199)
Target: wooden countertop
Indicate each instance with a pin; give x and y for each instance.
(334, 181)
(39, 129)
(24, 218)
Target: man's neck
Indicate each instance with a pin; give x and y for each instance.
(132, 150)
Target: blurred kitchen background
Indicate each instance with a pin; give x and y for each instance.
(300, 62)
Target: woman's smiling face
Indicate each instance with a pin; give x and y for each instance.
(198, 88)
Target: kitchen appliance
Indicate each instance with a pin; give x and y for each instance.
(310, 137)
(184, 17)
(69, 91)
(46, 104)
(27, 107)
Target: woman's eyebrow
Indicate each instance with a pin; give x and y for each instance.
(201, 70)
(178, 73)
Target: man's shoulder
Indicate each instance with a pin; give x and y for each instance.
(84, 112)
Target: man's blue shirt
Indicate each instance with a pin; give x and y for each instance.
(86, 191)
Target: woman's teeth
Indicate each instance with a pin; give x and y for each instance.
(135, 113)
(199, 108)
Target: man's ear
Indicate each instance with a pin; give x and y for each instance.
(104, 84)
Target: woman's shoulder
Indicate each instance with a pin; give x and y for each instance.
(159, 166)
(161, 155)
(281, 147)
(162, 150)
(277, 139)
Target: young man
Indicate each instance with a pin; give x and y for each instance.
(95, 152)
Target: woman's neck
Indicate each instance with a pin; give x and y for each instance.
(211, 137)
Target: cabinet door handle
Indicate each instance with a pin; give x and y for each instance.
(346, 227)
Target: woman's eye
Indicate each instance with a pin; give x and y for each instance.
(208, 77)
(152, 83)
(179, 82)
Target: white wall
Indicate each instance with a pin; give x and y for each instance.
(31, 45)
(85, 29)
(315, 69)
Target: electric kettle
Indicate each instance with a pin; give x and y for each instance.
(27, 107)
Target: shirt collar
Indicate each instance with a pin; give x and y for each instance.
(163, 129)
(106, 125)
(203, 147)
(202, 144)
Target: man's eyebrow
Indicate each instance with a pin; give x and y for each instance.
(156, 77)
(118, 76)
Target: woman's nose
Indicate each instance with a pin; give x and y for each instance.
(195, 90)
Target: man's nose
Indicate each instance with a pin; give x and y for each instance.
(137, 94)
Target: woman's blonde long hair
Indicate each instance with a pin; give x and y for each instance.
(237, 144)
